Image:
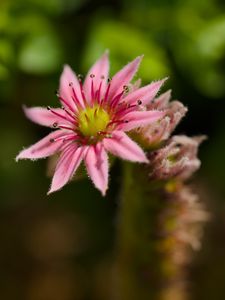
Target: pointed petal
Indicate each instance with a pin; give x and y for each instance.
(136, 85)
(100, 70)
(65, 90)
(67, 165)
(97, 166)
(121, 145)
(44, 117)
(43, 148)
(145, 94)
(141, 118)
(123, 77)
(161, 101)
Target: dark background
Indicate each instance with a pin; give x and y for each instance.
(58, 247)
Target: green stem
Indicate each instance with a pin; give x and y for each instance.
(144, 268)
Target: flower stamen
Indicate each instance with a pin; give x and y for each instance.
(82, 93)
(59, 115)
(74, 97)
(65, 127)
(65, 103)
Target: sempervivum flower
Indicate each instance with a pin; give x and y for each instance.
(93, 121)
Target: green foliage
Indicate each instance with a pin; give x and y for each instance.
(40, 54)
(200, 52)
(126, 42)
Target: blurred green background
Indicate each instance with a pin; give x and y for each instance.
(59, 247)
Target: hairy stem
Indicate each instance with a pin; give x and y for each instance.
(151, 260)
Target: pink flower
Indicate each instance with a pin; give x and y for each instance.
(94, 120)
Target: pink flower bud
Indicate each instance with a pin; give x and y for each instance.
(177, 159)
(161, 130)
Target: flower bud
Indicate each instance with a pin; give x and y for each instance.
(153, 134)
(178, 159)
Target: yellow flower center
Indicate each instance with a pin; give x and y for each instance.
(93, 120)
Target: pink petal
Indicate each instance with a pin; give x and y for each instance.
(145, 94)
(140, 118)
(97, 166)
(43, 148)
(161, 101)
(44, 117)
(123, 77)
(65, 90)
(121, 145)
(100, 70)
(136, 85)
(68, 163)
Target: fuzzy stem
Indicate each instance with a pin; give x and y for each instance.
(146, 264)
